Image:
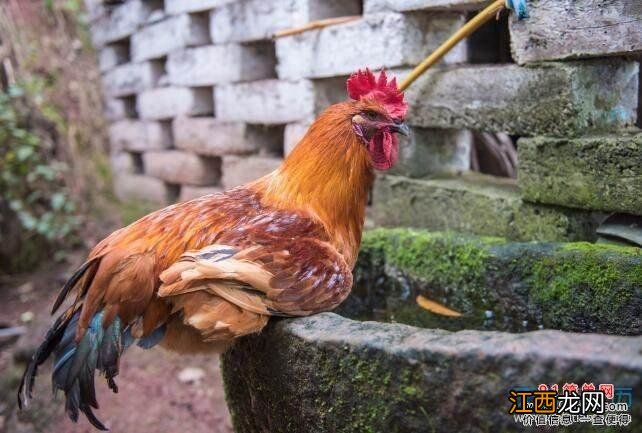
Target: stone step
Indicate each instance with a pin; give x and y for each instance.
(340, 375)
(476, 204)
(603, 172)
(496, 284)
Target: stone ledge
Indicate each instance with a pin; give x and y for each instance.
(602, 173)
(497, 285)
(340, 375)
(555, 99)
(475, 204)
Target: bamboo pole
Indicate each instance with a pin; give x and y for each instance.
(480, 19)
(319, 24)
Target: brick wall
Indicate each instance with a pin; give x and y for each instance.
(201, 98)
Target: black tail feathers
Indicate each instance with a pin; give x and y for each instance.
(75, 363)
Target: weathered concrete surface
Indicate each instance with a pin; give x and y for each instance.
(277, 101)
(603, 172)
(240, 170)
(495, 284)
(139, 136)
(329, 374)
(189, 192)
(293, 133)
(431, 151)
(577, 28)
(131, 78)
(159, 39)
(258, 19)
(475, 204)
(175, 166)
(141, 187)
(372, 6)
(112, 55)
(121, 21)
(557, 99)
(212, 137)
(203, 66)
(182, 6)
(168, 102)
(393, 40)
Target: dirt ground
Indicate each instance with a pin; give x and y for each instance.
(159, 391)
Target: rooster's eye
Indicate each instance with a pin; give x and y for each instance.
(371, 115)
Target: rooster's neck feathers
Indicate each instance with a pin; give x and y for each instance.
(329, 174)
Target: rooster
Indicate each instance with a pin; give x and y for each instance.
(194, 276)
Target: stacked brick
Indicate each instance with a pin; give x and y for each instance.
(201, 98)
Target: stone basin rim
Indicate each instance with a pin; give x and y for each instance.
(408, 341)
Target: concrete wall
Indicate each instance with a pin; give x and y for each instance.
(202, 98)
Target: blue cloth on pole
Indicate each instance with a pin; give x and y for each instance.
(519, 6)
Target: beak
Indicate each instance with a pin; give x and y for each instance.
(400, 128)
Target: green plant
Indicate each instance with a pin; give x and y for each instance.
(32, 184)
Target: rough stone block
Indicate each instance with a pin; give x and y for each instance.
(475, 204)
(602, 173)
(140, 187)
(113, 55)
(566, 29)
(549, 285)
(182, 6)
(159, 39)
(131, 78)
(191, 192)
(294, 132)
(140, 136)
(175, 166)
(94, 9)
(393, 40)
(169, 102)
(277, 101)
(373, 6)
(431, 151)
(122, 21)
(341, 375)
(116, 109)
(241, 170)
(122, 162)
(216, 64)
(258, 19)
(209, 136)
(557, 99)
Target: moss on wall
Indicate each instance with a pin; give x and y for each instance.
(571, 286)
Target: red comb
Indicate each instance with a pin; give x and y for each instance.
(363, 84)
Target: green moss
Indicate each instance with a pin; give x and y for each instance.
(569, 286)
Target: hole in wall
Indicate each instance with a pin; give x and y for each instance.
(172, 192)
(204, 101)
(200, 28)
(259, 60)
(131, 112)
(139, 166)
(494, 154)
(491, 43)
(268, 139)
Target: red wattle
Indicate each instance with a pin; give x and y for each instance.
(384, 150)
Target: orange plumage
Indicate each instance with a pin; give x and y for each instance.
(196, 275)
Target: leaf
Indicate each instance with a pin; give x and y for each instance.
(436, 307)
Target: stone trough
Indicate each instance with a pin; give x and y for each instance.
(531, 313)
